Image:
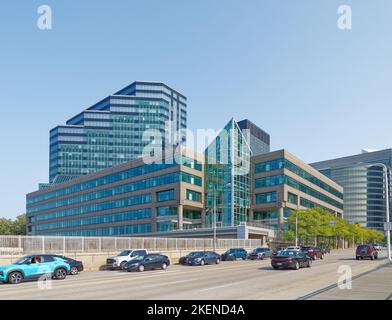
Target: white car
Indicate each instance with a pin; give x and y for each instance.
(119, 261)
(293, 248)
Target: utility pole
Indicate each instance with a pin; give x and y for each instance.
(296, 228)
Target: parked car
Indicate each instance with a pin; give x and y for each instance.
(184, 260)
(293, 248)
(147, 262)
(291, 259)
(201, 258)
(76, 266)
(32, 267)
(234, 254)
(313, 252)
(366, 252)
(260, 253)
(118, 262)
(325, 250)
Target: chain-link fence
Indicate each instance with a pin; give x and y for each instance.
(15, 245)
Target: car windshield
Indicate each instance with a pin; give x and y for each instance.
(23, 260)
(258, 250)
(231, 251)
(124, 253)
(198, 254)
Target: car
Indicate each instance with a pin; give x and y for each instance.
(293, 248)
(119, 261)
(325, 250)
(291, 259)
(201, 258)
(184, 260)
(366, 251)
(260, 254)
(313, 252)
(76, 266)
(147, 262)
(33, 267)
(234, 254)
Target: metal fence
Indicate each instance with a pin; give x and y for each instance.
(15, 245)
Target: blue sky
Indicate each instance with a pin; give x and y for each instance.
(319, 91)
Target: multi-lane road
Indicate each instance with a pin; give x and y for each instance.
(228, 280)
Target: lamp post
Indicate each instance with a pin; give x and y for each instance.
(296, 228)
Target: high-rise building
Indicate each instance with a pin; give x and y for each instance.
(363, 180)
(143, 118)
(258, 139)
(227, 177)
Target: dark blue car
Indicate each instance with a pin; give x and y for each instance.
(234, 254)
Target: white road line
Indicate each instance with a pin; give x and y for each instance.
(223, 286)
(167, 283)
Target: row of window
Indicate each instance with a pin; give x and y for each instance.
(122, 175)
(126, 188)
(121, 216)
(284, 179)
(286, 164)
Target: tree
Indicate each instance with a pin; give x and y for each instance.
(13, 227)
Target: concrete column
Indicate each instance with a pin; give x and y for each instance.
(203, 218)
(250, 218)
(280, 217)
(180, 216)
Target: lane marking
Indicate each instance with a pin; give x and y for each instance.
(224, 286)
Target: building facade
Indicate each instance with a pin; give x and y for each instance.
(131, 198)
(363, 181)
(144, 117)
(228, 178)
(258, 139)
(282, 182)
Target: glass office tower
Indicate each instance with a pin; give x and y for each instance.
(227, 177)
(258, 139)
(143, 118)
(363, 181)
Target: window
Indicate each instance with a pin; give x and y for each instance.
(292, 198)
(193, 195)
(268, 197)
(165, 195)
(166, 211)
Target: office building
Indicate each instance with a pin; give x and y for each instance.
(142, 118)
(363, 181)
(131, 198)
(283, 182)
(257, 138)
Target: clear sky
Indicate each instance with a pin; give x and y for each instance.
(319, 91)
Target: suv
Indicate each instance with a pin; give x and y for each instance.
(34, 267)
(366, 251)
(118, 262)
(234, 254)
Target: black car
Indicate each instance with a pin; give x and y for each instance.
(184, 260)
(234, 254)
(76, 266)
(291, 260)
(148, 262)
(313, 252)
(260, 253)
(202, 258)
(325, 250)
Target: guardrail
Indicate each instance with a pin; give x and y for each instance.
(61, 245)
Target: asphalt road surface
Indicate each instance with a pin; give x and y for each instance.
(228, 280)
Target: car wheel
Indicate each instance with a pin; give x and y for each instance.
(309, 263)
(218, 261)
(122, 265)
(60, 274)
(262, 257)
(322, 257)
(141, 268)
(15, 277)
(357, 258)
(164, 266)
(202, 263)
(74, 271)
(372, 257)
(314, 258)
(296, 265)
(376, 256)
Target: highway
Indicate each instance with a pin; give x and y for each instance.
(228, 280)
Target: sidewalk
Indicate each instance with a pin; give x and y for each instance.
(375, 284)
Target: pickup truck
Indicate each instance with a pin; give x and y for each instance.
(119, 261)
